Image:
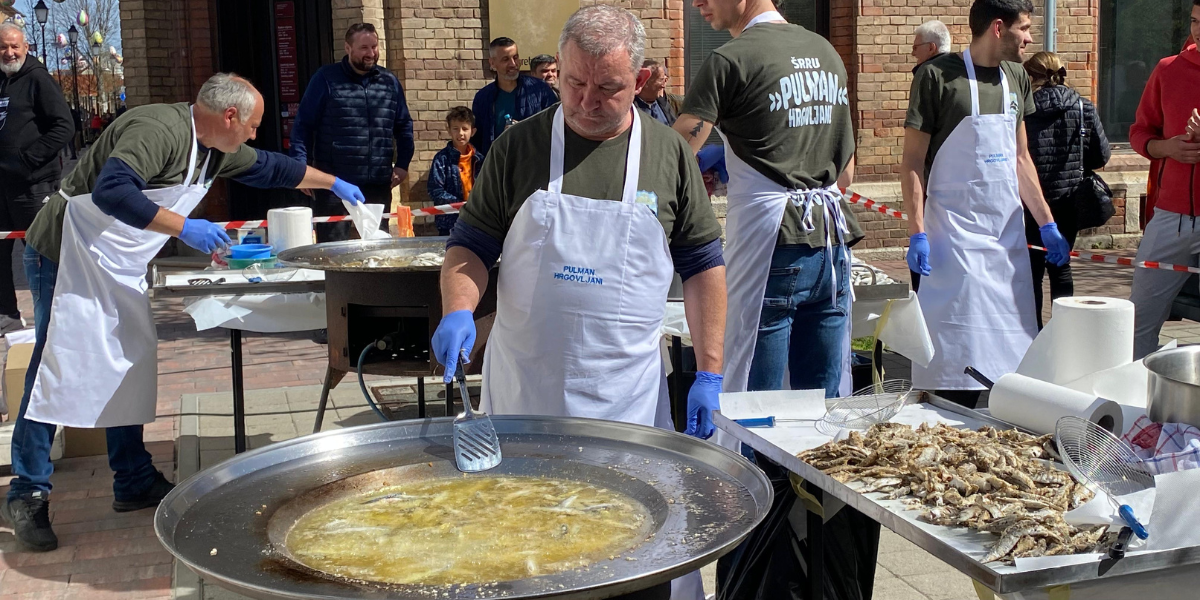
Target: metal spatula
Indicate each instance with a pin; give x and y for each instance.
(476, 447)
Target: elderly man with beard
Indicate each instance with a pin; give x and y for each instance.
(354, 124)
(35, 124)
(511, 98)
(592, 205)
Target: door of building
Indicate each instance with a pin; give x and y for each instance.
(278, 45)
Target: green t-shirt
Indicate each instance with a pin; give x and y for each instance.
(518, 164)
(778, 94)
(155, 141)
(941, 97)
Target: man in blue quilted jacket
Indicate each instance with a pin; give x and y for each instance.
(512, 97)
(354, 124)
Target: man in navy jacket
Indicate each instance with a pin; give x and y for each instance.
(512, 97)
(354, 124)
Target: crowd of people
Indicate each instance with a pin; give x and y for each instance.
(589, 178)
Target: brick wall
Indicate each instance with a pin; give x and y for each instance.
(884, 29)
(168, 49)
(439, 52)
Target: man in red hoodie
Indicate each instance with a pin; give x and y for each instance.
(1161, 133)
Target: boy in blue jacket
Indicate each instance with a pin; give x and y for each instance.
(454, 168)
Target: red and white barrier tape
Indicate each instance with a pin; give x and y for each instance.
(1128, 262)
(429, 211)
(854, 198)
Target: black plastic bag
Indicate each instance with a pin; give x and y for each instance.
(771, 565)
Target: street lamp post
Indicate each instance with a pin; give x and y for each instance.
(73, 35)
(42, 13)
(96, 72)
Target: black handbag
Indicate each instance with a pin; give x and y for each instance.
(1092, 198)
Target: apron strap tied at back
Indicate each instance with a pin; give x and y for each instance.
(831, 199)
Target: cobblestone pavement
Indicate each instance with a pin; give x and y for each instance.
(103, 554)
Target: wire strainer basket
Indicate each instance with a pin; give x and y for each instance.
(871, 405)
(1103, 462)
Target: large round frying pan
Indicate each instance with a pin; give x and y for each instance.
(225, 523)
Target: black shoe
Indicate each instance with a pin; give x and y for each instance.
(147, 499)
(30, 518)
(321, 336)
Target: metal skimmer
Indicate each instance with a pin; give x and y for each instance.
(1102, 461)
(869, 406)
(476, 447)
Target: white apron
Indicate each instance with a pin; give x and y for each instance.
(978, 298)
(579, 309)
(755, 211)
(100, 364)
(579, 305)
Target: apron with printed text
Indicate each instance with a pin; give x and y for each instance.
(978, 298)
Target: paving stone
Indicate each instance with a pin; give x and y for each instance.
(946, 585)
(903, 564)
(896, 589)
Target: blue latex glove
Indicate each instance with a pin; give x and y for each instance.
(918, 254)
(454, 335)
(712, 157)
(1058, 251)
(703, 398)
(347, 191)
(204, 236)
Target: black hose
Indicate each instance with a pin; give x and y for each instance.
(363, 384)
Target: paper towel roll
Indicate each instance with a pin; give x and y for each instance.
(1086, 334)
(289, 227)
(1037, 405)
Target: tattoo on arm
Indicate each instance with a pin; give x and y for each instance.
(696, 130)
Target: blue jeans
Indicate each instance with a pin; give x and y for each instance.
(801, 328)
(127, 456)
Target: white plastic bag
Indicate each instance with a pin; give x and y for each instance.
(367, 218)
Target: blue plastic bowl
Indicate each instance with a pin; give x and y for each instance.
(250, 251)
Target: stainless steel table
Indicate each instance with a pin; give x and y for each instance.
(999, 578)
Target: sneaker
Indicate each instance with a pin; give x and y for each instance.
(30, 518)
(10, 324)
(147, 499)
(321, 336)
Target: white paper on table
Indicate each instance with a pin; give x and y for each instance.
(235, 276)
(265, 313)
(904, 333)
(1177, 509)
(1126, 385)
(1100, 511)
(784, 404)
(367, 218)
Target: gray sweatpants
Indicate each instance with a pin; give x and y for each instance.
(1170, 238)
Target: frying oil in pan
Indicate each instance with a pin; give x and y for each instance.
(468, 530)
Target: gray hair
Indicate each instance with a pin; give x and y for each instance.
(936, 32)
(225, 90)
(602, 29)
(9, 26)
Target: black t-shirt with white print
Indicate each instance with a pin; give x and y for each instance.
(778, 92)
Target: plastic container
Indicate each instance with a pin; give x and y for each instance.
(249, 251)
(242, 263)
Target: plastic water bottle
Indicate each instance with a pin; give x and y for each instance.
(508, 121)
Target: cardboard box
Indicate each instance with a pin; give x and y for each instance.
(69, 442)
(84, 442)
